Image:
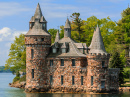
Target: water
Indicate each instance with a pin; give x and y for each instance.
(6, 91)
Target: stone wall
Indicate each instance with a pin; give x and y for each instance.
(67, 71)
(41, 49)
(98, 72)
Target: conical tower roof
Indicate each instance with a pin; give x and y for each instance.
(67, 24)
(57, 36)
(37, 26)
(97, 45)
(38, 12)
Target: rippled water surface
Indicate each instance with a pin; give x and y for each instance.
(6, 91)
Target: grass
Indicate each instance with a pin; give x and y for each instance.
(125, 85)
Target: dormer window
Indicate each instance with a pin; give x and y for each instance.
(54, 50)
(30, 25)
(44, 26)
(63, 50)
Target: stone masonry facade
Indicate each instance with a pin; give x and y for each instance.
(65, 65)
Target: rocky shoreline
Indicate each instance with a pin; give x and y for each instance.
(22, 86)
(18, 85)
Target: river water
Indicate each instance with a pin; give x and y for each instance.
(6, 91)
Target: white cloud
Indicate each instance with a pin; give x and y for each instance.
(11, 8)
(7, 34)
(17, 33)
(4, 32)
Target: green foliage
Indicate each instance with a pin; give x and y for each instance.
(127, 72)
(53, 34)
(16, 79)
(116, 62)
(122, 31)
(23, 78)
(77, 30)
(17, 55)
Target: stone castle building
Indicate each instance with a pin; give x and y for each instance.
(66, 65)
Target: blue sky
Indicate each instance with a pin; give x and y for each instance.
(16, 14)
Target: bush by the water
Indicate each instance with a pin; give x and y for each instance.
(23, 78)
(16, 79)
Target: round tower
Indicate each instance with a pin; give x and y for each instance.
(38, 42)
(97, 69)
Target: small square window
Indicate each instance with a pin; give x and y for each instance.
(42, 39)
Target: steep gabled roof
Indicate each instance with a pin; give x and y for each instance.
(97, 45)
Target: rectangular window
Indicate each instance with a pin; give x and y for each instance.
(42, 39)
(82, 80)
(73, 62)
(32, 53)
(32, 73)
(61, 79)
(62, 62)
(51, 79)
(102, 84)
(72, 80)
(51, 62)
(91, 80)
(103, 63)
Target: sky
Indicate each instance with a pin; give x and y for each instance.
(16, 14)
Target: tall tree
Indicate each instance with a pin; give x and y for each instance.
(122, 32)
(17, 55)
(107, 27)
(116, 62)
(53, 34)
(77, 24)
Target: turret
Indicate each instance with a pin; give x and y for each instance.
(97, 45)
(67, 29)
(57, 36)
(98, 58)
(38, 42)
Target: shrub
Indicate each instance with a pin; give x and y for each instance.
(16, 79)
(23, 78)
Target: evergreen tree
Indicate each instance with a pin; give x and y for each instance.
(76, 27)
(116, 62)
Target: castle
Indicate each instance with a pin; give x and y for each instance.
(66, 65)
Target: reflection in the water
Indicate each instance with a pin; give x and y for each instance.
(74, 95)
